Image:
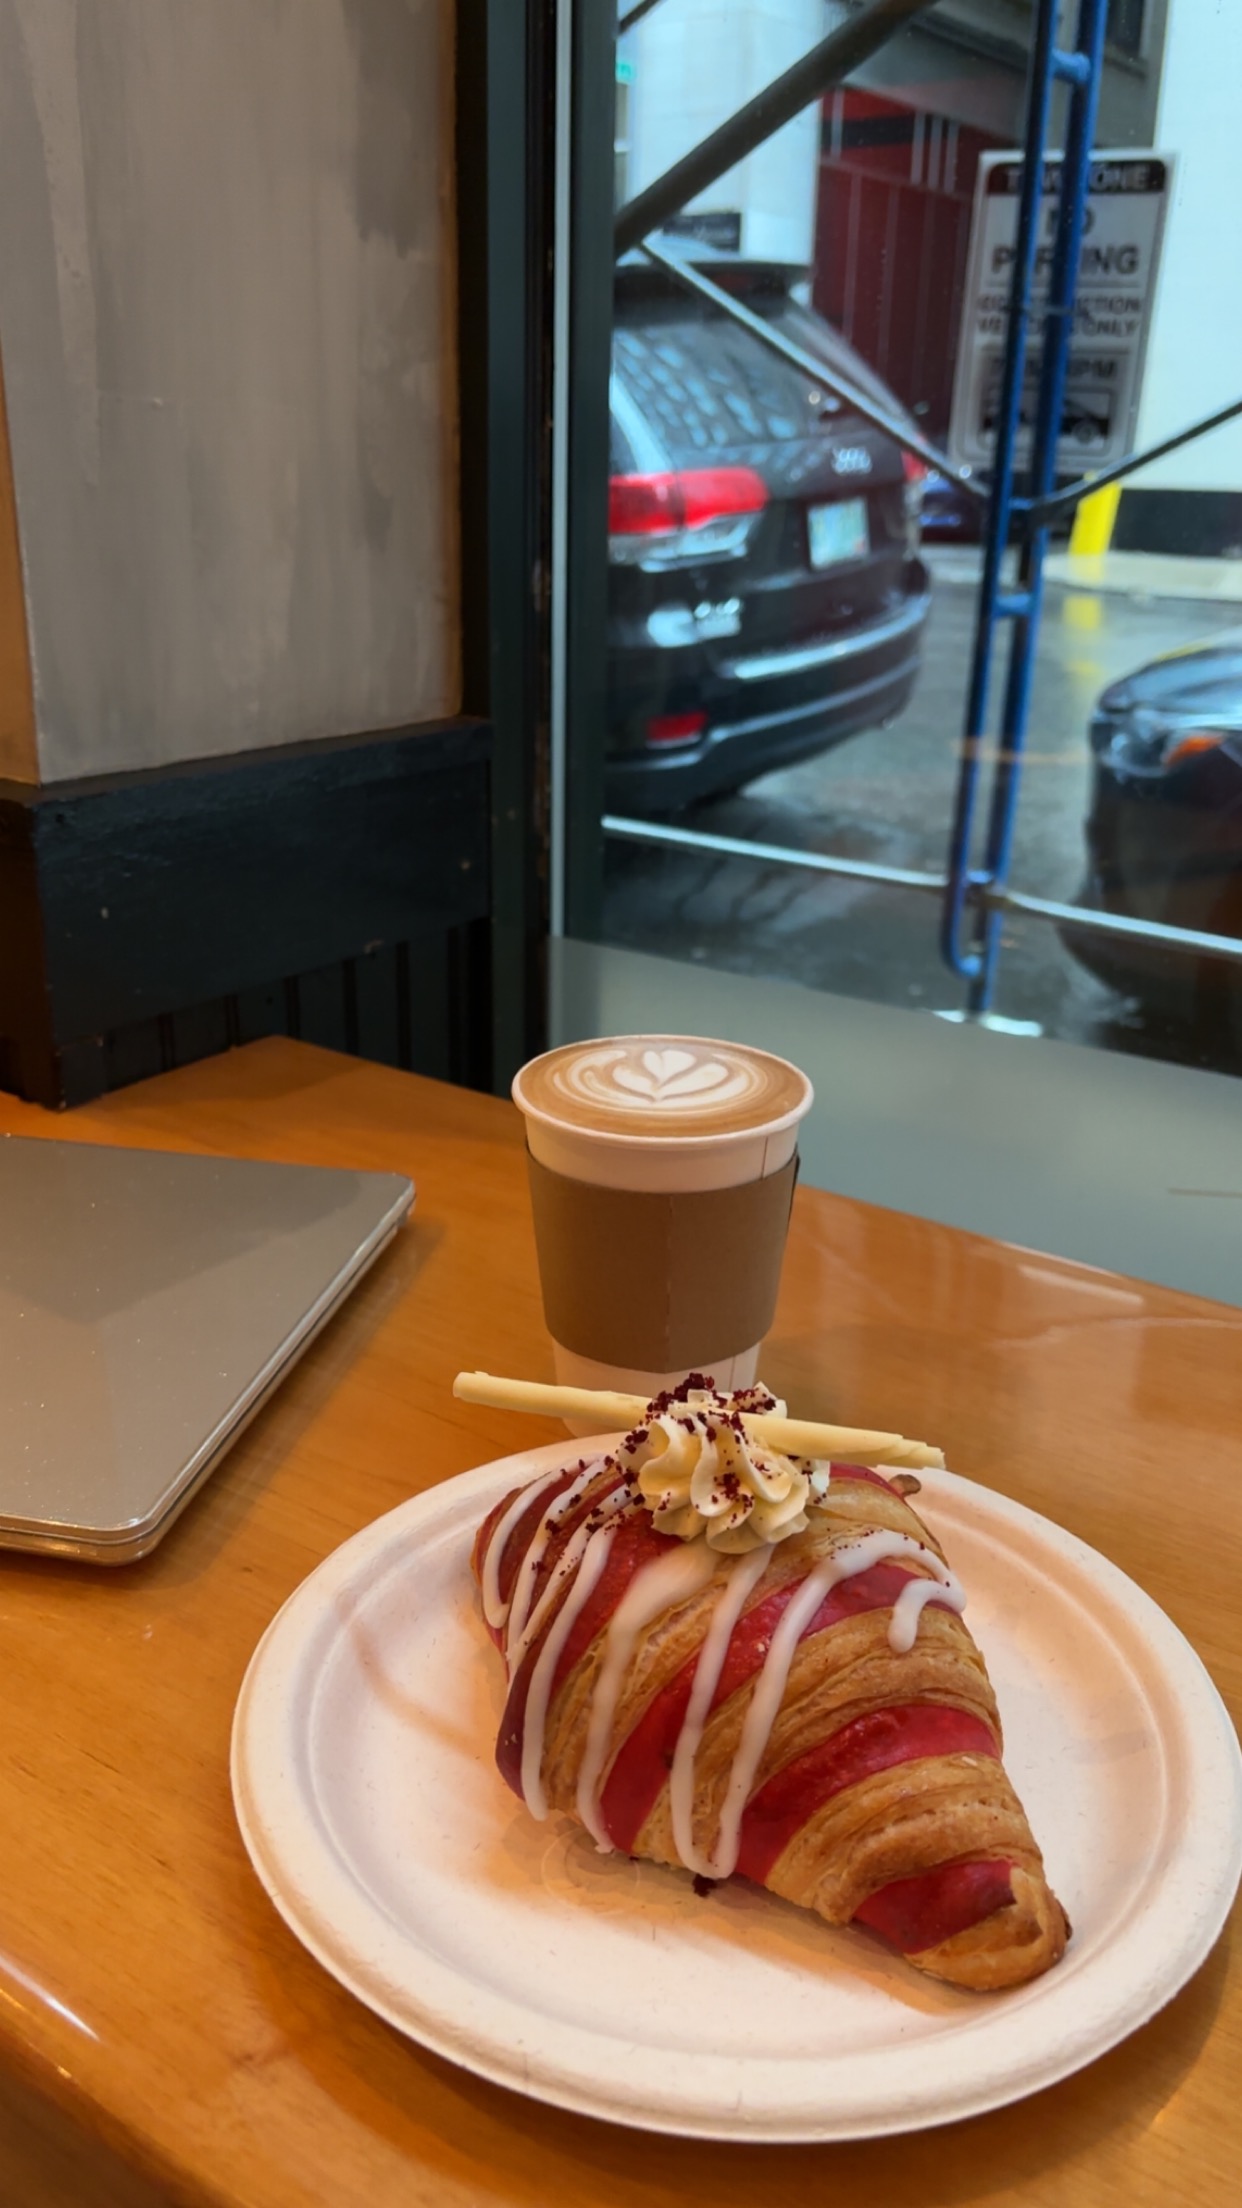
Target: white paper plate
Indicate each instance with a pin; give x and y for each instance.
(374, 1815)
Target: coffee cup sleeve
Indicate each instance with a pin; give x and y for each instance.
(655, 1281)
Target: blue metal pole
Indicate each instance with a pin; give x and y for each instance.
(996, 526)
(1080, 68)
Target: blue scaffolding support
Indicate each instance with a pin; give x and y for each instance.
(970, 929)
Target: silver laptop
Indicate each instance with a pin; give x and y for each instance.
(149, 1303)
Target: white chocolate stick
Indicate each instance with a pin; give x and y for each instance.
(797, 1437)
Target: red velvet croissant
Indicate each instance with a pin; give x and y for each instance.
(740, 1663)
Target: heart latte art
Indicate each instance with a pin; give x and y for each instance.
(671, 1076)
(661, 1084)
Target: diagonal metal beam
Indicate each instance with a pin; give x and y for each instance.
(812, 365)
(809, 78)
(666, 836)
(663, 835)
(1089, 921)
(635, 15)
(1041, 510)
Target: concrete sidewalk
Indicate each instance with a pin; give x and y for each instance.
(1147, 575)
(1119, 574)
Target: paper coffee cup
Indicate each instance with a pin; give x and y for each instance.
(662, 1171)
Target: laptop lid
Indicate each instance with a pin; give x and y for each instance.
(149, 1302)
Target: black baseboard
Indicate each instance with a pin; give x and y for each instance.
(1204, 525)
(337, 891)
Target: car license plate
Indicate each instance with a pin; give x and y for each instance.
(838, 532)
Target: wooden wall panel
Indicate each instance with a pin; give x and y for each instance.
(18, 756)
(227, 312)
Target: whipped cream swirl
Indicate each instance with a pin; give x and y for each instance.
(700, 1473)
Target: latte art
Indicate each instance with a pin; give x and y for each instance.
(664, 1079)
(659, 1084)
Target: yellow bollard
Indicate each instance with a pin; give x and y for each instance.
(1093, 523)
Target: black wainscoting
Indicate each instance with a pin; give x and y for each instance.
(1204, 525)
(417, 1005)
(337, 892)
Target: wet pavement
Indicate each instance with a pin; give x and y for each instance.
(887, 796)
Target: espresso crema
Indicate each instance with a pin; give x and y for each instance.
(661, 1085)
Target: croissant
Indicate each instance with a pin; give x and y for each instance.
(741, 1663)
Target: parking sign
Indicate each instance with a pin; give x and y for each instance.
(1116, 285)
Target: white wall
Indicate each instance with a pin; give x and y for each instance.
(226, 316)
(695, 62)
(1194, 360)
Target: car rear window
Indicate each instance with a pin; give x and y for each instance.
(708, 387)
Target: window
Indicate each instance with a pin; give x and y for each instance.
(1125, 26)
(622, 129)
(769, 772)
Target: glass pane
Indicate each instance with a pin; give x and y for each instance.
(793, 599)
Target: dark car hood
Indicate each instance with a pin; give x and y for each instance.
(1205, 682)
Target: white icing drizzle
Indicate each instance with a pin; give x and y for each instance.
(769, 1688)
(528, 1569)
(594, 1557)
(716, 1493)
(660, 1586)
(566, 1564)
(913, 1600)
(760, 1717)
(707, 1672)
(495, 1608)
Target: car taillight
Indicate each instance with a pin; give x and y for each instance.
(1191, 743)
(916, 483)
(645, 505)
(676, 728)
(671, 520)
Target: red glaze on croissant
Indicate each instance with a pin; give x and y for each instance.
(808, 1711)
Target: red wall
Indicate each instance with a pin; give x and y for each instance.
(895, 193)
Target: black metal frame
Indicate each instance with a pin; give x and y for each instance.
(504, 195)
(584, 580)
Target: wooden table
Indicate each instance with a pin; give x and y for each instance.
(162, 2037)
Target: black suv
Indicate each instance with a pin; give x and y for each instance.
(766, 596)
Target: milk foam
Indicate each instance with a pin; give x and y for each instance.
(660, 1083)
